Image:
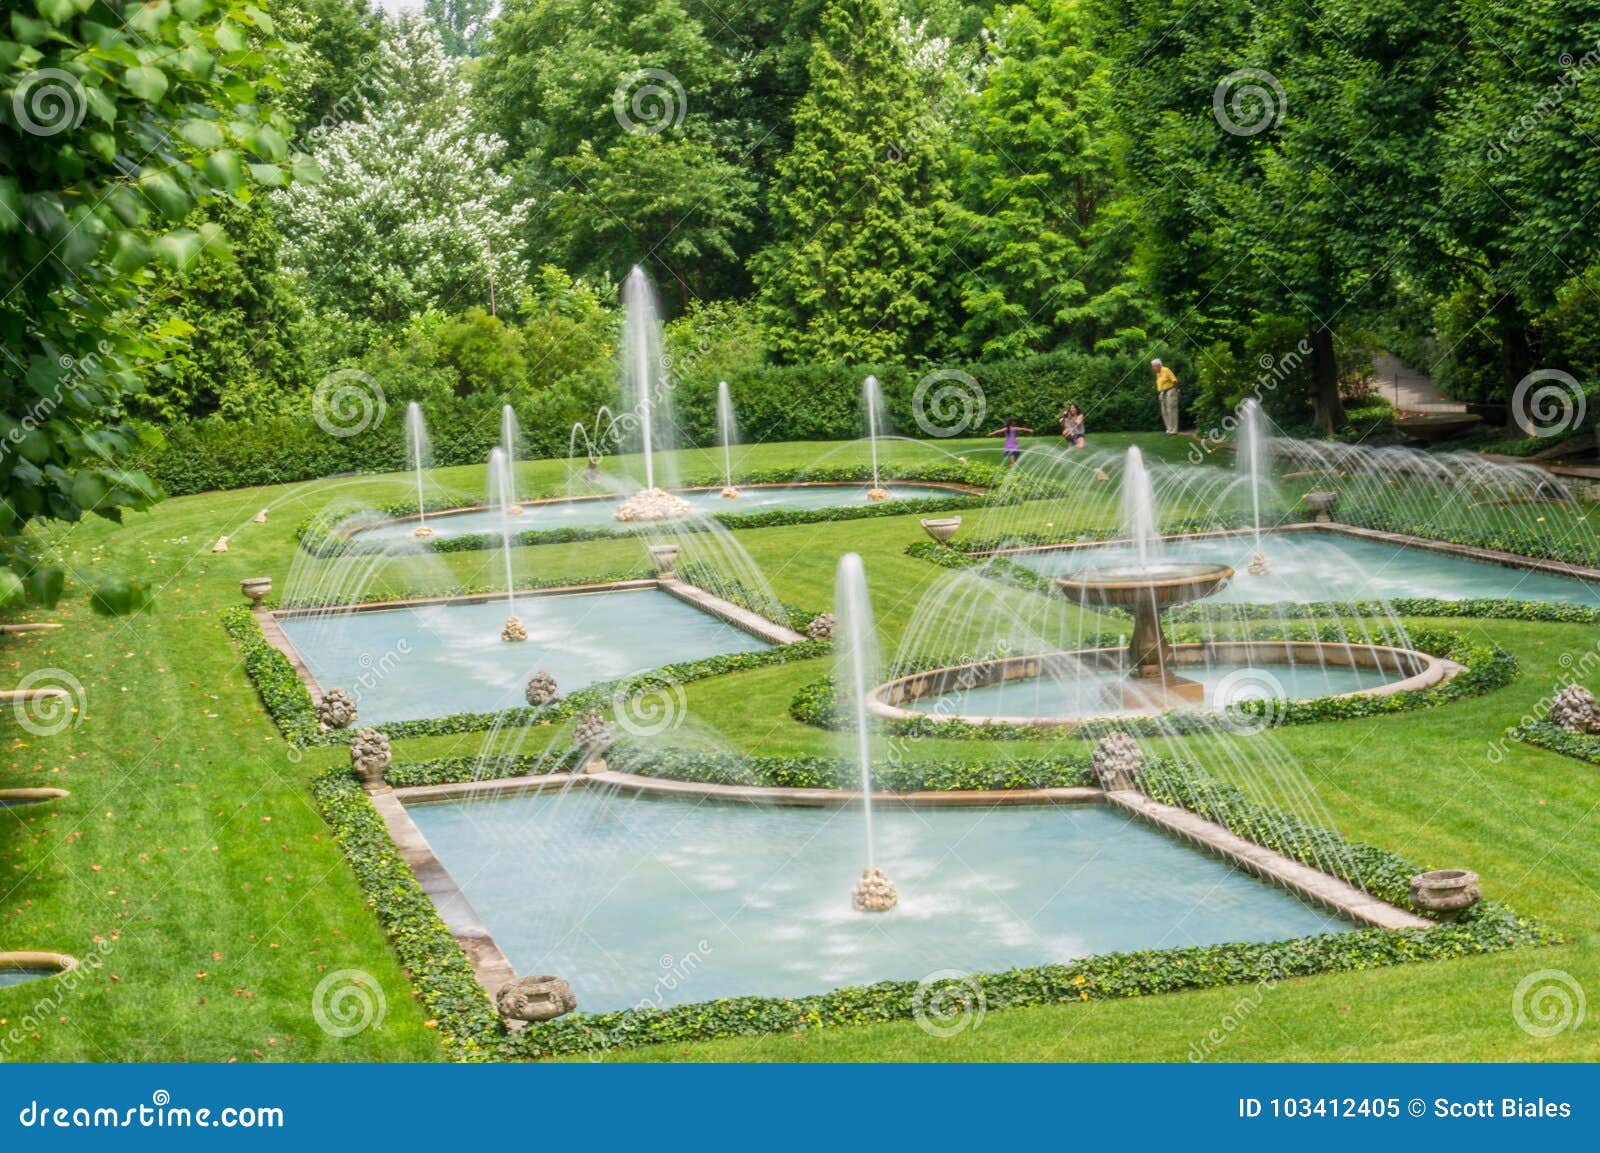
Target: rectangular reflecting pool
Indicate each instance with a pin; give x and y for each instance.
(664, 902)
(440, 659)
(601, 512)
(1317, 566)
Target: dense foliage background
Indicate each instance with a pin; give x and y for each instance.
(315, 209)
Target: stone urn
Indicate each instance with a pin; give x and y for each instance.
(221, 545)
(514, 631)
(369, 754)
(874, 893)
(1445, 892)
(1117, 762)
(336, 709)
(1322, 503)
(1574, 709)
(1258, 565)
(729, 492)
(260, 517)
(821, 627)
(876, 493)
(539, 998)
(422, 532)
(593, 732)
(541, 689)
(664, 557)
(257, 589)
(941, 528)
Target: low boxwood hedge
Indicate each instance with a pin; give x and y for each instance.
(1551, 736)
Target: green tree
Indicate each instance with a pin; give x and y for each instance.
(849, 274)
(116, 120)
(1045, 247)
(462, 24)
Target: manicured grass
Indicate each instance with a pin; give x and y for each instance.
(190, 843)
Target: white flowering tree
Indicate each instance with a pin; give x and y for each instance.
(411, 212)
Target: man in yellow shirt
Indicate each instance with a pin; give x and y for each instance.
(1167, 389)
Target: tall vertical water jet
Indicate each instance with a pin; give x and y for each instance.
(872, 403)
(855, 671)
(728, 432)
(1251, 461)
(417, 460)
(646, 398)
(509, 440)
(1139, 507)
(500, 500)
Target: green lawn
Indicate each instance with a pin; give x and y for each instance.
(190, 846)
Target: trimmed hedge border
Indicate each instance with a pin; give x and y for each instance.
(471, 1030)
(1552, 737)
(289, 702)
(1488, 667)
(1523, 542)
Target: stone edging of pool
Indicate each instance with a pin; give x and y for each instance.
(1469, 552)
(885, 699)
(31, 796)
(54, 962)
(494, 970)
(739, 617)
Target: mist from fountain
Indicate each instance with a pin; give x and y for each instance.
(417, 458)
(856, 672)
(647, 396)
(872, 407)
(728, 433)
(502, 489)
(1139, 507)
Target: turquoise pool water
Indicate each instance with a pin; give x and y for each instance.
(1088, 694)
(602, 513)
(22, 976)
(660, 902)
(435, 660)
(1311, 566)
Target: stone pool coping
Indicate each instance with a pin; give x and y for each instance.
(33, 795)
(957, 488)
(1469, 552)
(494, 970)
(56, 962)
(884, 700)
(739, 617)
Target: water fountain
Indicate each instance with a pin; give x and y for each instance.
(872, 404)
(501, 488)
(855, 640)
(641, 365)
(1145, 588)
(727, 431)
(1251, 463)
(508, 441)
(417, 460)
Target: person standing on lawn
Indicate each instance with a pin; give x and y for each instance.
(1167, 390)
(1013, 449)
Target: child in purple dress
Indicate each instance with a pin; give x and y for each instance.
(1013, 450)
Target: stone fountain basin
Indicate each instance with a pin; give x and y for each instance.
(1403, 670)
(1163, 584)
